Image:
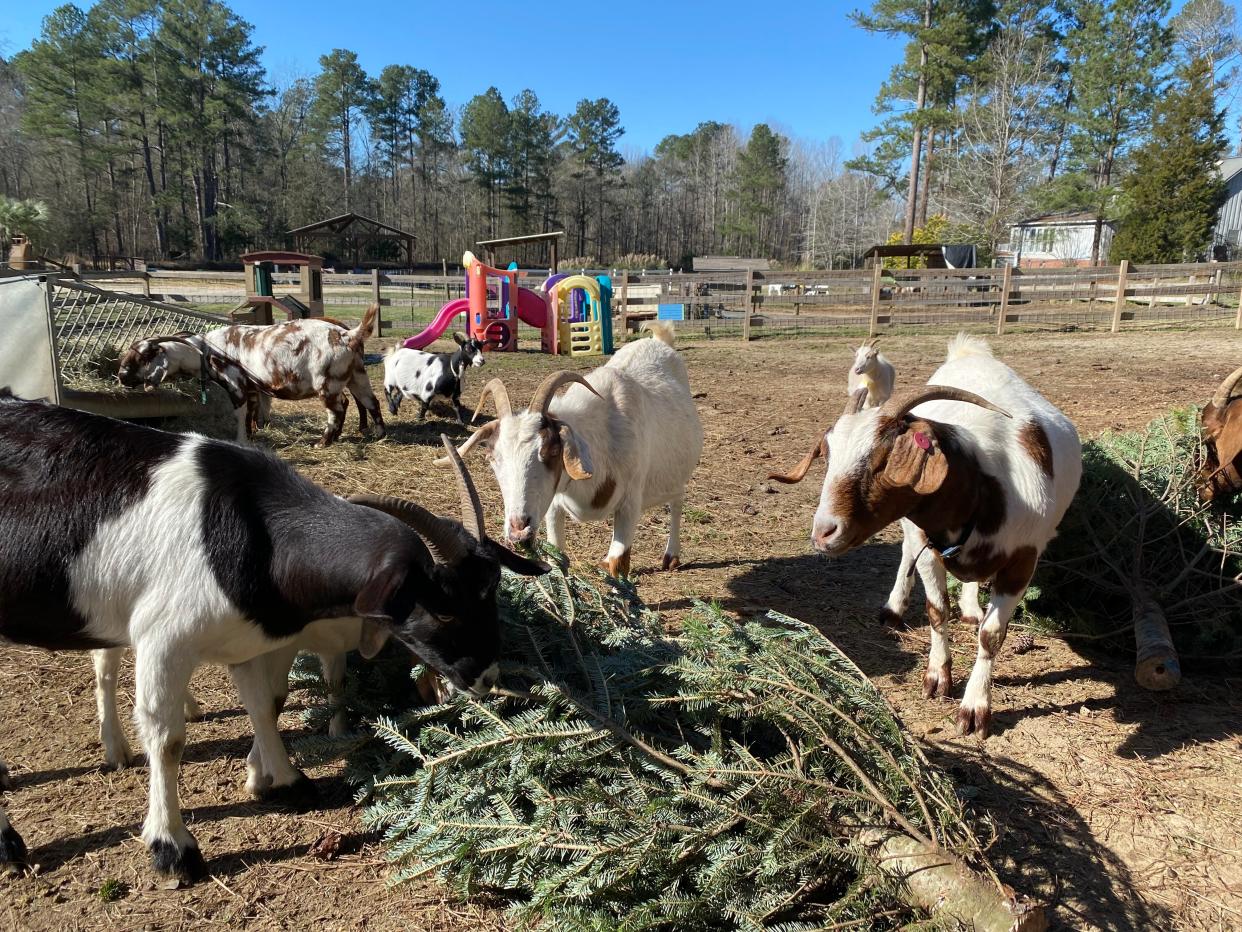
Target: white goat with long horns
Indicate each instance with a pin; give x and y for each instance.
(620, 441)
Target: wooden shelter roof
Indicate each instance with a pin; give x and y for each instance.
(520, 240)
(355, 229)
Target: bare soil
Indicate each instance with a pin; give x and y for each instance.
(1121, 808)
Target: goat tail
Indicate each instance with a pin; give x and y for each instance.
(662, 330)
(358, 337)
(964, 345)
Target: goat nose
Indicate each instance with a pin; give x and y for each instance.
(519, 529)
(822, 533)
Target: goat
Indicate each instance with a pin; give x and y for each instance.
(294, 360)
(980, 469)
(410, 373)
(1220, 475)
(197, 551)
(871, 370)
(625, 442)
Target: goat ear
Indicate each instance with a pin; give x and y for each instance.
(575, 454)
(373, 638)
(917, 461)
(459, 338)
(523, 566)
(372, 601)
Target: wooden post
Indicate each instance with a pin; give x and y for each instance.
(375, 299)
(750, 304)
(874, 328)
(625, 299)
(1003, 311)
(444, 268)
(146, 285)
(1123, 272)
(1237, 320)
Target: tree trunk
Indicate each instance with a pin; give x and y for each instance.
(917, 145)
(1156, 664)
(346, 155)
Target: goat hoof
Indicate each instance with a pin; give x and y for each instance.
(119, 759)
(301, 795)
(890, 618)
(183, 864)
(977, 720)
(6, 779)
(12, 848)
(672, 563)
(938, 682)
(193, 711)
(617, 567)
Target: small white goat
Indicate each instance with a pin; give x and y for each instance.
(872, 370)
(622, 443)
(980, 468)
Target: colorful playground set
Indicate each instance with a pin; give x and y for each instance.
(573, 313)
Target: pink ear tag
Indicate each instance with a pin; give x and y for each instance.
(922, 440)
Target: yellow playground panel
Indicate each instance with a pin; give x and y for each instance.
(579, 333)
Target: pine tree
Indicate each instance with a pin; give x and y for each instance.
(485, 136)
(342, 95)
(529, 163)
(1174, 191)
(759, 182)
(593, 130)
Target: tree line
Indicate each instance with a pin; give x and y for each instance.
(149, 127)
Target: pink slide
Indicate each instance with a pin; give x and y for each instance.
(443, 321)
(532, 308)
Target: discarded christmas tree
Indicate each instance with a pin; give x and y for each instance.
(1138, 552)
(734, 776)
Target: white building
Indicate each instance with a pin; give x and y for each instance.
(1055, 240)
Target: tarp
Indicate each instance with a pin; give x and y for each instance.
(960, 257)
(27, 362)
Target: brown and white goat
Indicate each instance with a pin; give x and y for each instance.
(979, 468)
(1220, 476)
(294, 360)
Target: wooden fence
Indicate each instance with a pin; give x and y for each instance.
(750, 305)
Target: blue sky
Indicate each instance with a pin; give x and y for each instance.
(808, 72)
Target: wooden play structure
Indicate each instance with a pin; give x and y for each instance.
(261, 306)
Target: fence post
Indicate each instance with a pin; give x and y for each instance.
(750, 304)
(1237, 320)
(375, 299)
(625, 302)
(1006, 278)
(1123, 272)
(444, 268)
(874, 328)
(146, 285)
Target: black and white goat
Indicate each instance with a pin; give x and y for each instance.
(420, 376)
(197, 551)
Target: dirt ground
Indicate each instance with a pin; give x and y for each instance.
(1120, 808)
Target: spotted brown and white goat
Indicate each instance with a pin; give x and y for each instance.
(420, 376)
(1220, 476)
(310, 358)
(196, 551)
(621, 441)
(979, 468)
(871, 370)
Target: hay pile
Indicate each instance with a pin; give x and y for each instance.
(1138, 552)
(734, 776)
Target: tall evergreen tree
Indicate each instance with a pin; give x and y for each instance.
(342, 96)
(1174, 191)
(593, 130)
(759, 183)
(1115, 53)
(529, 162)
(485, 135)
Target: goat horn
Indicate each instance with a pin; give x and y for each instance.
(471, 507)
(496, 389)
(485, 431)
(798, 473)
(440, 537)
(1225, 391)
(549, 386)
(856, 402)
(900, 407)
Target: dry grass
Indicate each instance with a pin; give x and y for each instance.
(1120, 807)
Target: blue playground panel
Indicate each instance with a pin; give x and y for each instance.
(670, 312)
